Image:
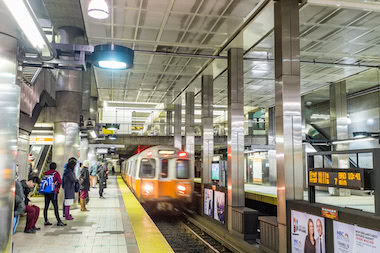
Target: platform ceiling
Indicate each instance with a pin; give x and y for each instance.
(332, 32)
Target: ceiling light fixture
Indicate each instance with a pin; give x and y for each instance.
(24, 16)
(98, 9)
(110, 56)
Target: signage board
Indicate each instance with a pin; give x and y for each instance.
(219, 206)
(215, 171)
(41, 140)
(341, 178)
(208, 202)
(307, 233)
(329, 213)
(352, 238)
(257, 170)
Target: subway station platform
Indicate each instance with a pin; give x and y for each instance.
(115, 224)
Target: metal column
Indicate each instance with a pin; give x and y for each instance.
(339, 130)
(68, 107)
(9, 114)
(207, 127)
(189, 124)
(235, 152)
(169, 122)
(288, 111)
(178, 126)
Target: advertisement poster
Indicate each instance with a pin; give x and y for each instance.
(307, 233)
(257, 170)
(215, 171)
(351, 238)
(219, 206)
(208, 202)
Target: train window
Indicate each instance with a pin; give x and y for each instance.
(147, 168)
(183, 169)
(164, 168)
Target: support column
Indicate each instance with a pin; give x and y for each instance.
(169, 122)
(9, 115)
(339, 130)
(189, 124)
(68, 108)
(207, 128)
(22, 154)
(162, 127)
(288, 111)
(86, 100)
(235, 152)
(178, 126)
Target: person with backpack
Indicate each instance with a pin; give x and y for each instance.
(52, 177)
(69, 187)
(84, 180)
(93, 177)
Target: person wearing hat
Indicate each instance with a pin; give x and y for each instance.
(84, 181)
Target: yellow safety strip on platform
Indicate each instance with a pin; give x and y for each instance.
(148, 237)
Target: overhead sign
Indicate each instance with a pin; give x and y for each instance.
(41, 140)
(358, 179)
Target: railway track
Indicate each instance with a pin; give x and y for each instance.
(184, 236)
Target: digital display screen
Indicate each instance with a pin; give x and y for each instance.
(215, 169)
(341, 178)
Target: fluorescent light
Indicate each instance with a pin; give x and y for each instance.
(93, 134)
(353, 140)
(98, 9)
(22, 15)
(112, 64)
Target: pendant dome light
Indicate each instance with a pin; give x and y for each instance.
(110, 56)
(98, 9)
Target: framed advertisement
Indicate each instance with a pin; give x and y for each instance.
(208, 202)
(219, 206)
(352, 238)
(307, 233)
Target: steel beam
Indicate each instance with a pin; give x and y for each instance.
(189, 124)
(339, 130)
(207, 127)
(235, 151)
(288, 111)
(178, 126)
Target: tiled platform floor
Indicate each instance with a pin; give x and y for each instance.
(106, 228)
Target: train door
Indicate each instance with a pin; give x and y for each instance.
(165, 188)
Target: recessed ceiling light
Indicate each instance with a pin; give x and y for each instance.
(98, 9)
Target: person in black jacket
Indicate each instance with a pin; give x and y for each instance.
(69, 181)
(23, 188)
(84, 180)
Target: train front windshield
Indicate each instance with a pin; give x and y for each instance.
(148, 168)
(183, 169)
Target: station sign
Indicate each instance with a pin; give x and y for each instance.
(41, 140)
(358, 179)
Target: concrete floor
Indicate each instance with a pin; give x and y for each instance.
(106, 228)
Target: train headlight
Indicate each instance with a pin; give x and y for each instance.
(181, 189)
(147, 188)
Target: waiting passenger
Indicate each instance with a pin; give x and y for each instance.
(93, 176)
(53, 197)
(69, 181)
(101, 172)
(23, 188)
(84, 180)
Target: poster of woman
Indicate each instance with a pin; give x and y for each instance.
(307, 233)
(208, 202)
(219, 206)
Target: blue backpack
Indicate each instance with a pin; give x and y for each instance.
(47, 184)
